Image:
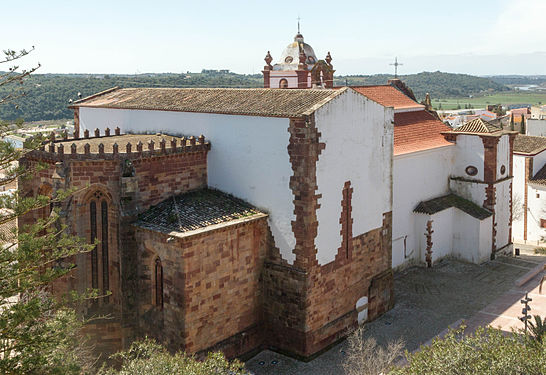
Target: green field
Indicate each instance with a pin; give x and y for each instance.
(505, 98)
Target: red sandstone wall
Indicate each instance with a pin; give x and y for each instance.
(162, 177)
(158, 177)
(212, 295)
(308, 307)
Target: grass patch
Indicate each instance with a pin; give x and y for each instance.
(504, 98)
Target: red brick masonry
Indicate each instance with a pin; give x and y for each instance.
(226, 287)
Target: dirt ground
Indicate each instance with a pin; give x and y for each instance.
(427, 302)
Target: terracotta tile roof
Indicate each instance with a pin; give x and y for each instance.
(252, 102)
(387, 96)
(417, 131)
(197, 210)
(528, 144)
(451, 200)
(540, 177)
(477, 126)
(520, 111)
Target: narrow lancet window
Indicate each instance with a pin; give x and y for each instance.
(94, 255)
(158, 283)
(104, 245)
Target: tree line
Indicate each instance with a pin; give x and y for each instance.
(46, 96)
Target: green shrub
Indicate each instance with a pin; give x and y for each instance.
(487, 351)
(147, 357)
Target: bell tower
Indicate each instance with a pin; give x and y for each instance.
(298, 68)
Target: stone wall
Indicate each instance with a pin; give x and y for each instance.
(98, 176)
(212, 295)
(308, 307)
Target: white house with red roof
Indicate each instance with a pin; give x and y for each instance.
(529, 191)
(451, 189)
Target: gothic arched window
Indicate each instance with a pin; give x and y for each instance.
(94, 252)
(99, 231)
(104, 245)
(158, 283)
(283, 83)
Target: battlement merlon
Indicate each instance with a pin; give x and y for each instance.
(107, 147)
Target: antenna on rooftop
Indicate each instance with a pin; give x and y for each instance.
(396, 65)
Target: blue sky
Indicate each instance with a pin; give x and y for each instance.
(476, 37)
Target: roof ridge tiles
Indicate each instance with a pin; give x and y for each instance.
(234, 101)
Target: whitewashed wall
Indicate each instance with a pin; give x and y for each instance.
(276, 76)
(471, 237)
(290, 76)
(503, 156)
(518, 192)
(486, 243)
(502, 213)
(442, 238)
(473, 191)
(417, 176)
(359, 144)
(538, 162)
(469, 151)
(248, 158)
(536, 127)
(455, 234)
(537, 211)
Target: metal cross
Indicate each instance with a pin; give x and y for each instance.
(299, 24)
(396, 65)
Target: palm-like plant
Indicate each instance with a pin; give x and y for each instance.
(538, 328)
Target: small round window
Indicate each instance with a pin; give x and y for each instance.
(503, 169)
(288, 59)
(310, 60)
(471, 170)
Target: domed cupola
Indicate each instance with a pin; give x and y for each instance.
(298, 68)
(290, 56)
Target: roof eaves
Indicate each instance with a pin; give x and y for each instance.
(195, 232)
(79, 101)
(315, 107)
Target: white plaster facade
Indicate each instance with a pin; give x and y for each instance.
(249, 159)
(417, 176)
(425, 175)
(468, 239)
(243, 147)
(291, 77)
(536, 127)
(358, 134)
(534, 207)
(469, 152)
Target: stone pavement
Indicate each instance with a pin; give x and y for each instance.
(427, 301)
(504, 312)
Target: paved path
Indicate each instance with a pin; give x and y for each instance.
(504, 312)
(427, 301)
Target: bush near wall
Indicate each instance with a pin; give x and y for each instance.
(487, 351)
(149, 358)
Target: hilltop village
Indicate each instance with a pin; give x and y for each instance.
(246, 219)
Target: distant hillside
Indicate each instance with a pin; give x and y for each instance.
(47, 95)
(438, 84)
(519, 80)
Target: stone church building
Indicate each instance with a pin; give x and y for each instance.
(243, 219)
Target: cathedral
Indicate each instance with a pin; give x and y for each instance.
(245, 219)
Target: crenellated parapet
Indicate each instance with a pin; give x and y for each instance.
(117, 145)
